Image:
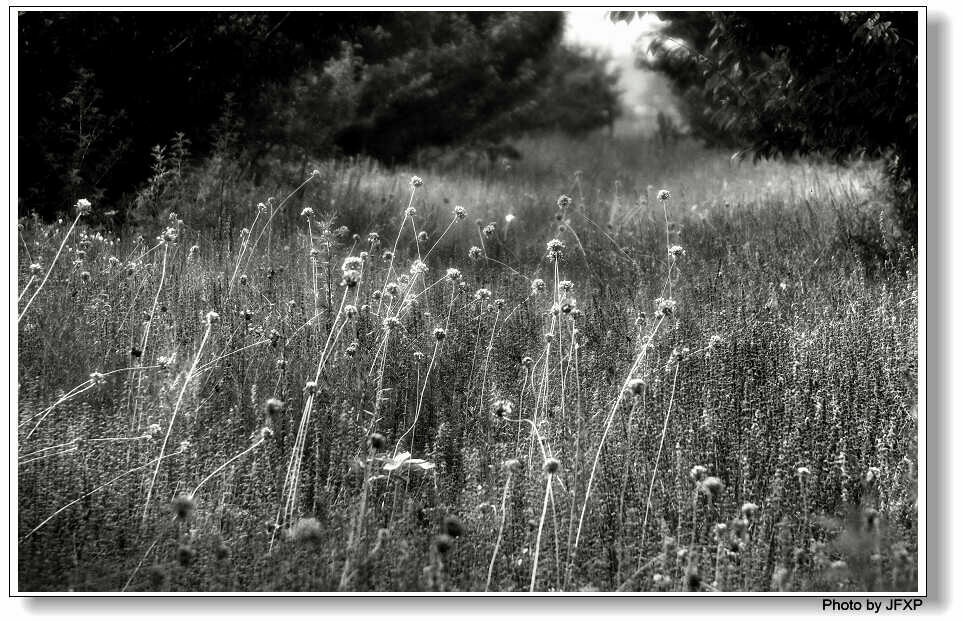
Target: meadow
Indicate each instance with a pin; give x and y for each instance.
(610, 365)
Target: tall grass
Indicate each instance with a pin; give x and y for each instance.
(529, 421)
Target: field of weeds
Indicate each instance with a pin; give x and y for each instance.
(605, 366)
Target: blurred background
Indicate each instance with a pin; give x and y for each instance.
(117, 106)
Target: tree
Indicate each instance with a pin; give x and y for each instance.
(97, 90)
(840, 84)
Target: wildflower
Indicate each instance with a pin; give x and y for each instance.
(261, 207)
(452, 526)
(503, 408)
(350, 311)
(474, 253)
(391, 288)
(391, 323)
(418, 356)
(306, 531)
(676, 251)
(564, 202)
(410, 212)
(310, 387)
(803, 473)
(636, 386)
(350, 279)
(713, 486)
(483, 294)
(664, 195)
(512, 465)
(35, 268)
(440, 334)
(243, 279)
(83, 207)
(273, 406)
(307, 213)
(185, 554)
(275, 336)
(453, 274)
(85, 275)
(351, 349)
(509, 218)
(418, 267)
(352, 263)
(153, 430)
(266, 433)
(183, 507)
(715, 342)
(459, 212)
(749, 510)
(566, 286)
(489, 229)
(423, 237)
(665, 306)
(315, 173)
(551, 466)
(697, 473)
(443, 543)
(872, 474)
(527, 362)
(211, 318)
(416, 182)
(679, 353)
(555, 248)
(373, 238)
(538, 286)
(500, 303)
(280, 363)
(377, 442)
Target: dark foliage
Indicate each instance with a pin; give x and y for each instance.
(98, 90)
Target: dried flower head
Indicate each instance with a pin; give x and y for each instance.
(307, 213)
(676, 251)
(564, 202)
(350, 279)
(452, 527)
(306, 531)
(664, 195)
(418, 267)
(183, 507)
(551, 466)
(416, 182)
(273, 406)
(440, 334)
(538, 286)
(502, 408)
(459, 212)
(83, 207)
(555, 248)
(698, 473)
(377, 442)
(474, 253)
(665, 306)
(713, 486)
(211, 318)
